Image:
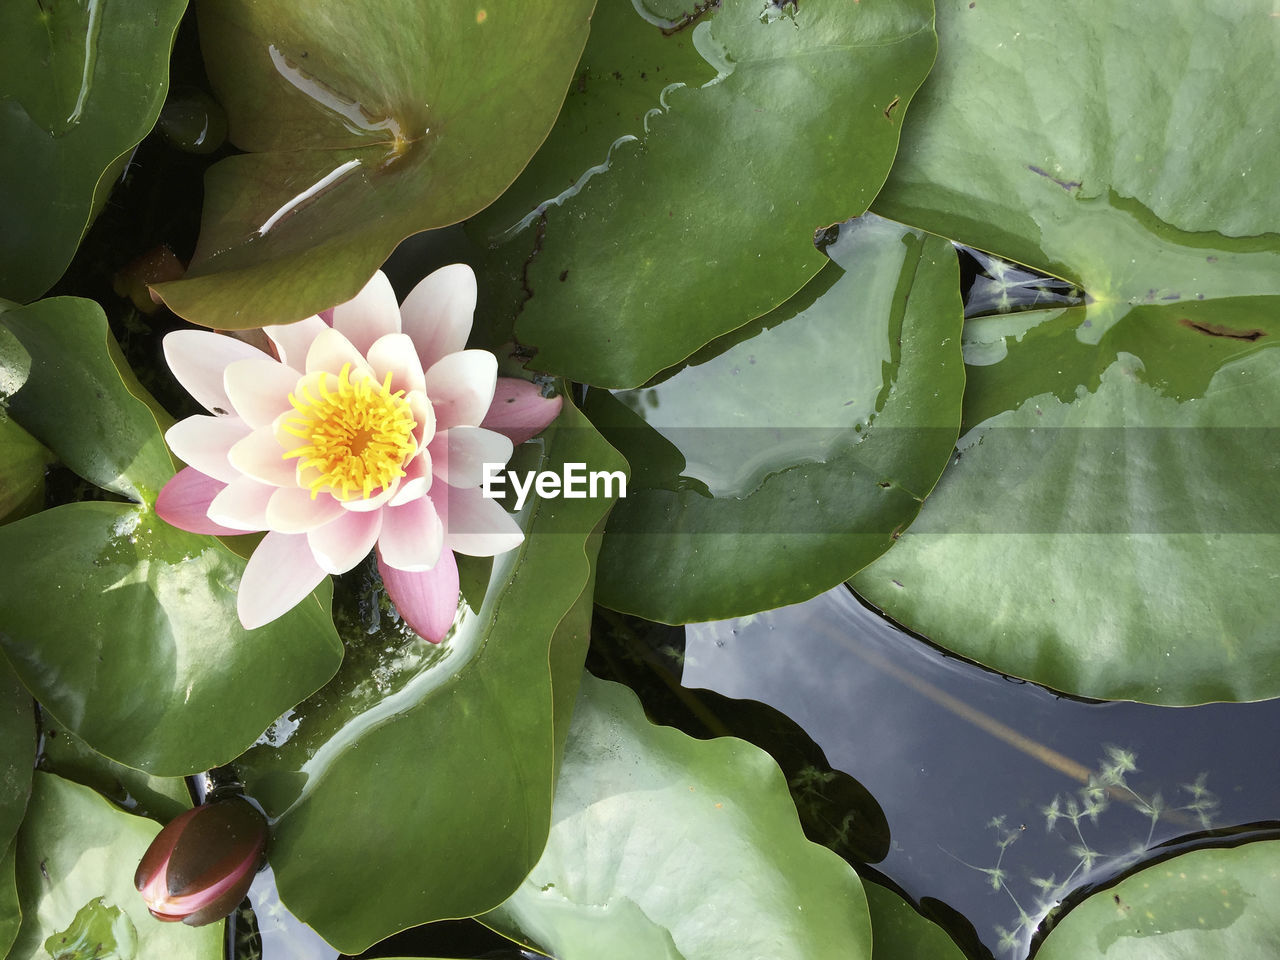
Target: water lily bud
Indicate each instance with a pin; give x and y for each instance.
(200, 866)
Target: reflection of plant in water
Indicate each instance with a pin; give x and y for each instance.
(1073, 815)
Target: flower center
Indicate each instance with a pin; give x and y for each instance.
(356, 437)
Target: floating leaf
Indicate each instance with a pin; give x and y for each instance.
(123, 627)
(83, 82)
(666, 846)
(10, 908)
(692, 163)
(364, 124)
(22, 463)
(899, 933)
(771, 471)
(1107, 524)
(17, 752)
(419, 758)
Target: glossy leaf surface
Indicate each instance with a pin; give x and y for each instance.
(10, 907)
(123, 627)
(692, 163)
(22, 463)
(76, 856)
(899, 933)
(17, 752)
(666, 846)
(773, 469)
(418, 758)
(363, 124)
(83, 82)
(1207, 903)
(1107, 526)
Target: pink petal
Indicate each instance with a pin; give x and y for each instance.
(370, 314)
(458, 455)
(416, 481)
(461, 387)
(242, 505)
(519, 410)
(395, 354)
(279, 576)
(184, 503)
(203, 442)
(412, 536)
(330, 351)
(424, 416)
(259, 455)
(259, 389)
(476, 525)
(427, 599)
(198, 358)
(292, 510)
(340, 544)
(293, 340)
(437, 313)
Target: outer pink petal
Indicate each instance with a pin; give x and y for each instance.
(437, 313)
(259, 388)
(458, 455)
(279, 576)
(184, 502)
(292, 510)
(293, 340)
(476, 525)
(396, 355)
(412, 536)
(242, 505)
(203, 442)
(461, 387)
(427, 599)
(370, 314)
(341, 544)
(259, 455)
(198, 357)
(519, 410)
(330, 351)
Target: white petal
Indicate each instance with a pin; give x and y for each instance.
(416, 480)
(292, 510)
(461, 387)
(412, 536)
(293, 340)
(361, 505)
(279, 576)
(242, 505)
(424, 417)
(370, 314)
(458, 455)
(437, 313)
(477, 526)
(259, 455)
(198, 358)
(330, 351)
(259, 388)
(342, 543)
(395, 354)
(203, 442)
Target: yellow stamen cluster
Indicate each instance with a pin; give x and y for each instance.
(357, 437)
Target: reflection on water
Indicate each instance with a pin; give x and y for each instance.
(1000, 797)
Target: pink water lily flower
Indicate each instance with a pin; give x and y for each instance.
(369, 428)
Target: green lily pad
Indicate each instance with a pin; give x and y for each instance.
(10, 908)
(774, 469)
(76, 857)
(420, 758)
(83, 83)
(18, 746)
(363, 125)
(1106, 528)
(123, 627)
(666, 846)
(678, 195)
(22, 462)
(1207, 903)
(899, 933)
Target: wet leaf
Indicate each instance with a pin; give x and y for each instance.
(363, 125)
(1207, 903)
(22, 463)
(419, 758)
(690, 167)
(666, 846)
(899, 933)
(83, 82)
(123, 627)
(76, 857)
(1106, 528)
(10, 909)
(770, 471)
(17, 752)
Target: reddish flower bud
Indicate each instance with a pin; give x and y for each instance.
(200, 866)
